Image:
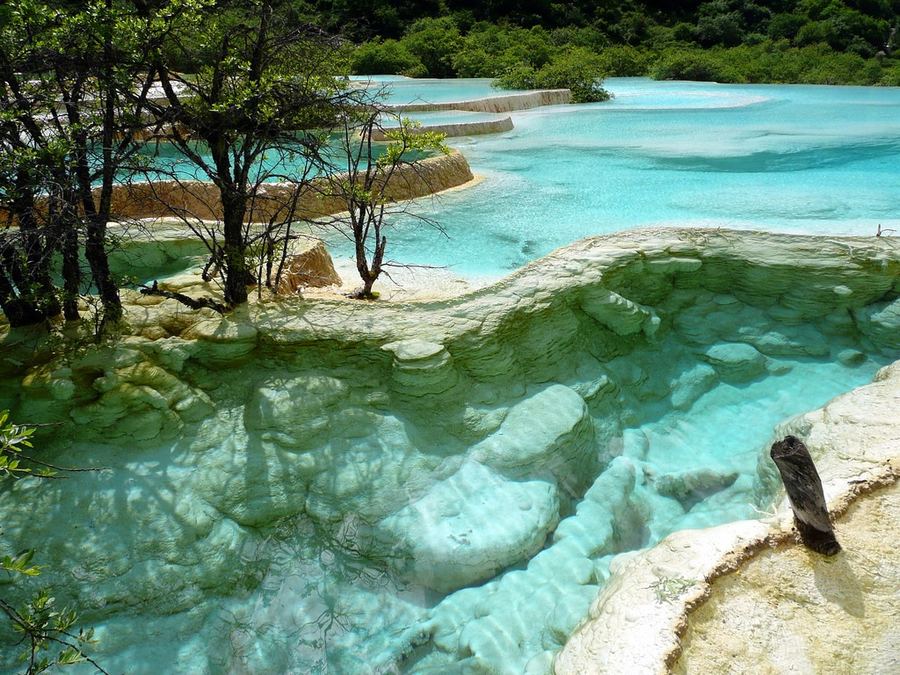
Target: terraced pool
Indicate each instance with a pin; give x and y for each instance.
(440, 488)
(776, 157)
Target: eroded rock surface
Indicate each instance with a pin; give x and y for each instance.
(784, 609)
(368, 459)
(821, 615)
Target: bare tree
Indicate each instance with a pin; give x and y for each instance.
(371, 185)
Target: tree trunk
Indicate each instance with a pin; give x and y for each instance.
(19, 312)
(35, 282)
(95, 252)
(804, 490)
(237, 275)
(71, 270)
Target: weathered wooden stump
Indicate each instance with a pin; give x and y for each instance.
(804, 490)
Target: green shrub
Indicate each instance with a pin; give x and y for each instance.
(577, 69)
(385, 58)
(785, 26)
(890, 76)
(434, 42)
(693, 64)
(521, 76)
(489, 50)
(623, 61)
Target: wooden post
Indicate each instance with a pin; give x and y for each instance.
(804, 490)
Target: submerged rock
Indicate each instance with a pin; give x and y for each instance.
(549, 432)
(691, 385)
(691, 487)
(881, 323)
(452, 537)
(736, 361)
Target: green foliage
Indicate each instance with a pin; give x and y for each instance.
(692, 64)
(20, 564)
(48, 633)
(623, 61)
(577, 69)
(489, 50)
(771, 62)
(890, 77)
(409, 139)
(46, 629)
(434, 42)
(669, 589)
(387, 56)
(13, 440)
(818, 39)
(719, 24)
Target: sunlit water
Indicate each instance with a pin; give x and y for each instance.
(321, 607)
(779, 157)
(807, 159)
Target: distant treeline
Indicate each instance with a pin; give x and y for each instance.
(810, 41)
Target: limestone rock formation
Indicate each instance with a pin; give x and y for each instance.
(785, 607)
(200, 200)
(309, 267)
(451, 537)
(317, 442)
(550, 432)
(736, 361)
(690, 487)
(495, 104)
(822, 615)
(881, 322)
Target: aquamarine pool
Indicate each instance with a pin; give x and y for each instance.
(782, 157)
(282, 520)
(401, 90)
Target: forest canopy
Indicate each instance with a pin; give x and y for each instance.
(809, 41)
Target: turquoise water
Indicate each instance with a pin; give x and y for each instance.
(187, 582)
(404, 90)
(317, 602)
(782, 157)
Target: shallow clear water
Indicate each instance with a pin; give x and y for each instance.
(400, 91)
(322, 606)
(298, 595)
(782, 157)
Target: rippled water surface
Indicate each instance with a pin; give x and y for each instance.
(245, 544)
(783, 157)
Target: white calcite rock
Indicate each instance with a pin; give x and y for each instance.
(605, 518)
(295, 413)
(618, 314)
(736, 361)
(451, 536)
(421, 369)
(226, 434)
(776, 611)
(139, 401)
(691, 385)
(690, 487)
(549, 432)
(881, 323)
(222, 340)
(851, 357)
(789, 611)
